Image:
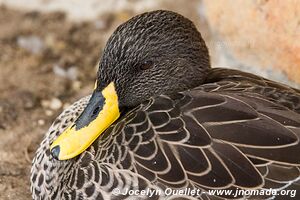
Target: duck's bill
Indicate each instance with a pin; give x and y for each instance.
(101, 111)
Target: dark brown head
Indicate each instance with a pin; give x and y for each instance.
(153, 53)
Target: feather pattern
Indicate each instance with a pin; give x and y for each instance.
(236, 131)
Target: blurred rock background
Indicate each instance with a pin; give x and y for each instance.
(259, 35)
(50, 50)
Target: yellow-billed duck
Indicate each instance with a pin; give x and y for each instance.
(161, 119)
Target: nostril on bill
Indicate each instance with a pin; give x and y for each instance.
(55, 152)
(96, 110)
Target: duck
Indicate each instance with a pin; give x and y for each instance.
(161, 123)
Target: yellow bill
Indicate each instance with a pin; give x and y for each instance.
(101, 111)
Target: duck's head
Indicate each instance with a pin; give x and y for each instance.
(159, 52)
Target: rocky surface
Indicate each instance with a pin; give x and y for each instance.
(262, 33)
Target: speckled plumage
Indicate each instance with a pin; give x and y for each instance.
(178, 52)
(234, 130)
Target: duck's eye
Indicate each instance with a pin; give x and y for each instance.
(146, 65)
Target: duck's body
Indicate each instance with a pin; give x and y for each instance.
(234, 118)
(232, 130)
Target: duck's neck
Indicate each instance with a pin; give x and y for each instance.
(46, 172)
